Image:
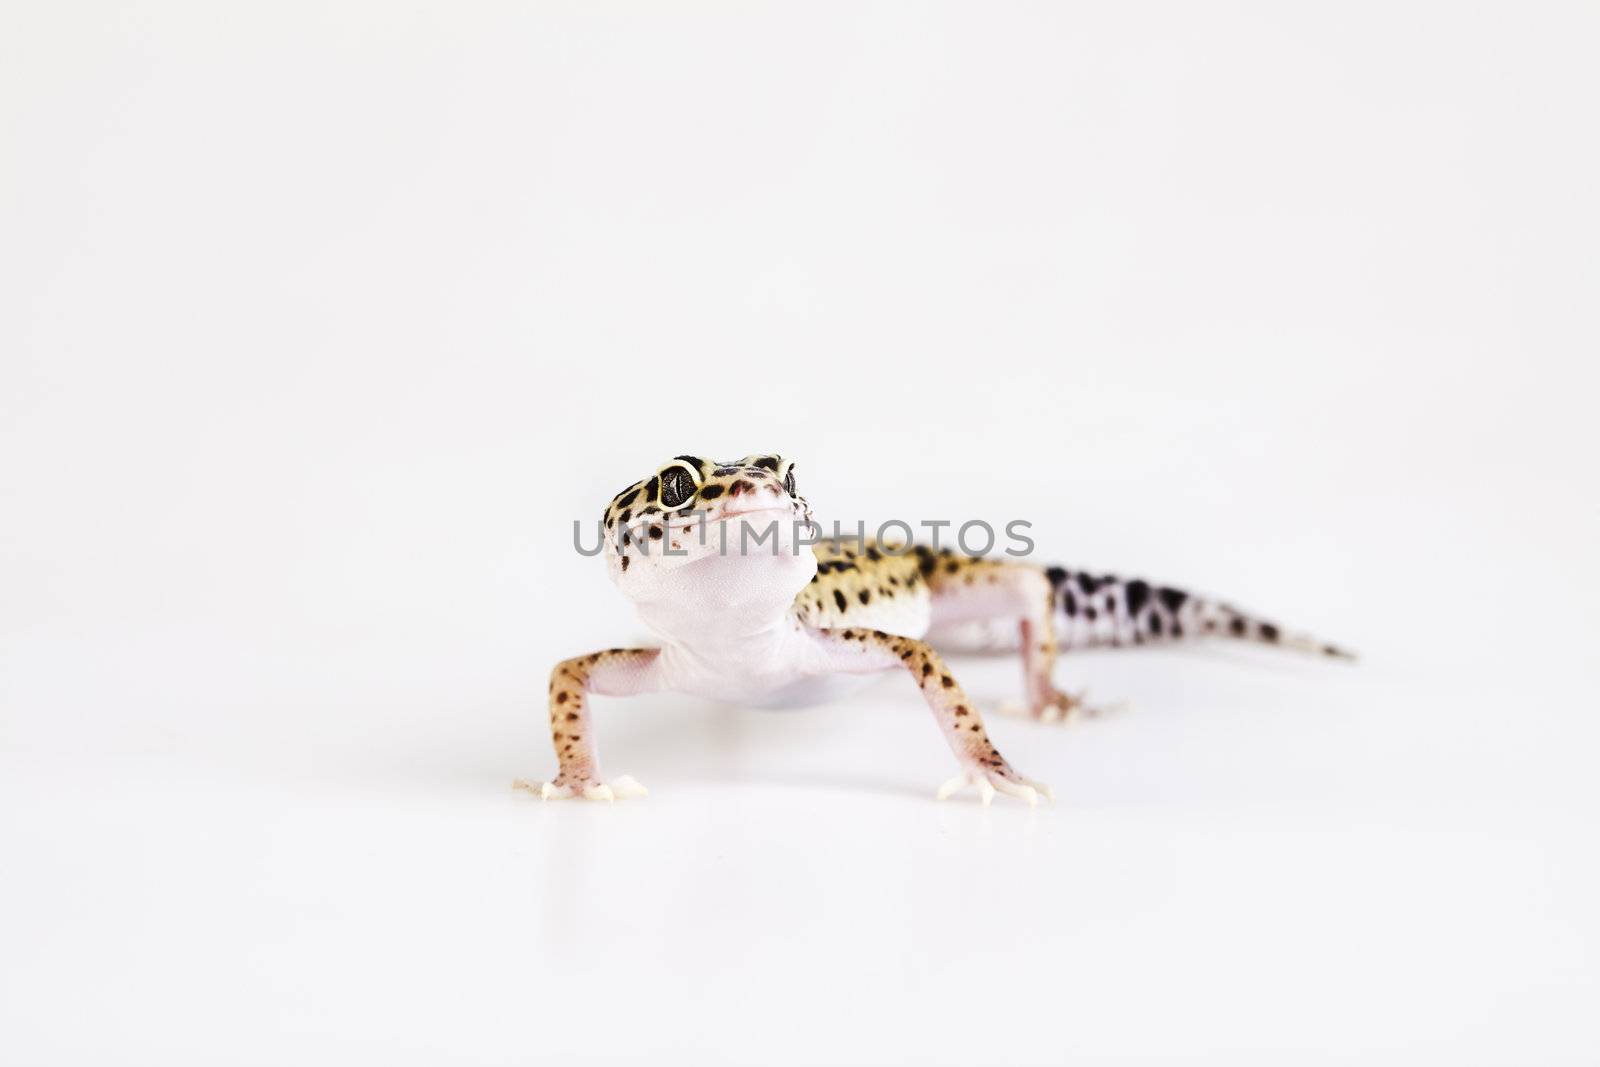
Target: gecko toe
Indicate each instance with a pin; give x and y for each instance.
(1021, 790)
(627, 785)
(619, 788)
(988, 783)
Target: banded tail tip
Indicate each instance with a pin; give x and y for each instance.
(1308, 644)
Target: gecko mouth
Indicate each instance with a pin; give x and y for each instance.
(775, 512)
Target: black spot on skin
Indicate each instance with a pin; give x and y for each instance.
(1332, 650)
(1236, 627)
(952, 567)
(1057, 575)
(947, 680)
(1069, 603)
(1090, 614)
(711, 492)
(1177, 629)
(1171, 599)
(561, 698)
(693, 461)
(651, 488)
(838, 598)
(865, 596)
(874, 555)
(740, 486)
(1138, 595)
(624, 562)
(723, 472)
(1088, 583)
(1155, 625)
(961, 709)
(927, 668)
(655, 533)
(1269, 632)
(768, 462)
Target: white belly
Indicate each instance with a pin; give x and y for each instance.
(808, 692)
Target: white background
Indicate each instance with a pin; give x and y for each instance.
(320, 324)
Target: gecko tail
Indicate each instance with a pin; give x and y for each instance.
(1107, 611)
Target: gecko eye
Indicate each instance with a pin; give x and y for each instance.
(788, 480)
(677, 486)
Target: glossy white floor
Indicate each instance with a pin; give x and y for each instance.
(326, 322)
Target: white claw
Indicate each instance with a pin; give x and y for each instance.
(547, 790)
(599, 792)
(946, 790)
(1051, 713)
(627, 786)
(986, 791)
(1029, 792)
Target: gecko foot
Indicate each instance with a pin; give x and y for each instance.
(990, 782)
(1063, 708)
(620, 787)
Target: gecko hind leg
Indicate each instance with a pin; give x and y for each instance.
(971, 593)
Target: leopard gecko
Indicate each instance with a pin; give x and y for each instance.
(774, 617)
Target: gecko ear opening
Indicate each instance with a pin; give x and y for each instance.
(678, 485)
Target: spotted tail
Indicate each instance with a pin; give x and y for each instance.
(1106, 611)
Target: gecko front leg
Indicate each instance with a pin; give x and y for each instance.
(860, 651)
(615, 672)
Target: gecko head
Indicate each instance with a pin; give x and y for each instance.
(663, 532)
